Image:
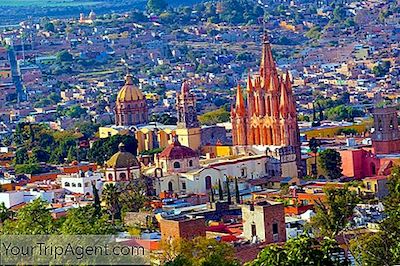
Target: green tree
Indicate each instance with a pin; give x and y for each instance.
(314, 144)
(76, 111)
(237, 193)
(228, 191)
(347, 131)
(5, 213)
(21, 156)
(156, 6)
(220, 192)
(314, 33)
(111, 197)
(32, 219)
(64, 56)
(331, 162)
(133, 196)
(302, 251)
(88, 129)
(213, 117)
(343, 112)
(40, 155)
(381, 69)
(86, 221)
(333, 215)
(104, 148)
(96, 198)
(72, 154)
(29, 168)
(207, 252)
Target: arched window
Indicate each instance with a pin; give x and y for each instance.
(110, 177)
(79, 185)
(66, 184)
(208, 182)
(170, 186)
(190, 163)
(122, 176)
(177, 165)
(158, 172)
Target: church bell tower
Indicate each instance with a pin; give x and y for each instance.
(188, 129)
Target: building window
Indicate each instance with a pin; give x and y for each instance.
(243, 172)
(368, 185)
(66, 184)
(253, 230)
(208, 182)
(373, 169)
(183, 185)
(122, 176)
(190, 163)
(86, 184)
(170, 187)
(110, 177)
(177, 165)
(274, 228)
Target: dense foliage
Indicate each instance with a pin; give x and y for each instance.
(334, 214)
(331, 162)
(213, 117)
(300, 251)
(103, 149)
(207, 252)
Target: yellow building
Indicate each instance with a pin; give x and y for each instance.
(149, 137)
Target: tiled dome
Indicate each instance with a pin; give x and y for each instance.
(129, 92)
(122, 159)
(177, 151)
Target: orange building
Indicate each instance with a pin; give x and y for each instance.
(269, 117)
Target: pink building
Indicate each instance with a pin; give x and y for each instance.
(361, 163)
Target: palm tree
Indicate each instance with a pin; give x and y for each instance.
(314, 144)
(110, 196)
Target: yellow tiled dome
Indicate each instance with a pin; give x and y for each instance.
(129, 92)
(122, 159)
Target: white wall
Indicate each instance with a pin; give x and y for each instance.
(12, 198)
(83, 185)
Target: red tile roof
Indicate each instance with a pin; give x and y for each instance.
(177, 151)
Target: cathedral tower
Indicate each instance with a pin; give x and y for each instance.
(188, 129)
(269, 115)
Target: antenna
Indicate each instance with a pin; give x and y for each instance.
(264, 24)
(127, 71)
